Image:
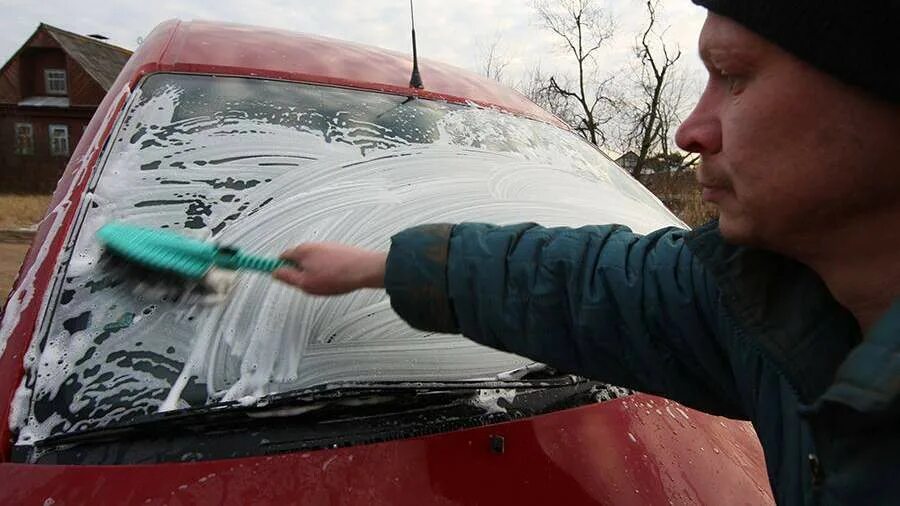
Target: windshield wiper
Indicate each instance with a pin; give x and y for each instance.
(338, 397)
(532, 371)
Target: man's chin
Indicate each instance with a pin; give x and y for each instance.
(737, 231)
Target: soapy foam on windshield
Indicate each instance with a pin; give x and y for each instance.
(22, 296)
(266, 189)
(367, 214)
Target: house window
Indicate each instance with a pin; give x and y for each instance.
(55, 81)
(59, 140)
(24, 139)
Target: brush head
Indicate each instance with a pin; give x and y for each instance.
(159, 250)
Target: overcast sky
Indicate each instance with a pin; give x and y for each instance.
(451, 31)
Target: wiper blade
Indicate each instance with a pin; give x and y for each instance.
(532, 371)
(297, 403)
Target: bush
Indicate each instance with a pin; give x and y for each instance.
(680, 193)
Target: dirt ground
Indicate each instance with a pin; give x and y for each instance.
(11, 256)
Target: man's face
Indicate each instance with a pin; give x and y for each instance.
(787, 150)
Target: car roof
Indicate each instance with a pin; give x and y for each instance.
(234, 49)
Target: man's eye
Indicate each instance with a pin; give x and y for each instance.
(734, 82)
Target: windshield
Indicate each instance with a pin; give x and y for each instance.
(264, 165)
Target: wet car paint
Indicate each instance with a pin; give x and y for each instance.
(636, 450)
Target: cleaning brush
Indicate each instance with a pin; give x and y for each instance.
(170, 253)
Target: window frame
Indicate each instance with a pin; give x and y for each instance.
(18, 147)
(57, 127)
(48, 78)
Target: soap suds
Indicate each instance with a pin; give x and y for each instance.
(490, 400)
(265, 177)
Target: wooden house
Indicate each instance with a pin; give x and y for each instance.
(49, 90)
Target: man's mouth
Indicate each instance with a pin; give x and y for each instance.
(713, 193)
(713, 189)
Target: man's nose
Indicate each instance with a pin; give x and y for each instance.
(701, 132)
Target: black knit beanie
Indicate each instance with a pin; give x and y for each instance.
(857, 42)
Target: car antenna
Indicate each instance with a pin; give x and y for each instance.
(415, 81)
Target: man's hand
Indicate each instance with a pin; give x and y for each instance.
(332, 269)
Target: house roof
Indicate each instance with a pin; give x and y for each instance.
(100, 60)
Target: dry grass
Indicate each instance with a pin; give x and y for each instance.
(680, 193)
(17, 211)
(695, 212)
(11, 256)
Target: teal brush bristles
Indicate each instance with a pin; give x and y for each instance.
(161, 250)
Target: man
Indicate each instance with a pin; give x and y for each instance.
(780, 313)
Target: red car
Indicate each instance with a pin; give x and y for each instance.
(119, 391)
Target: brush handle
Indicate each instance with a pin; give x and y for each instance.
(234, 259)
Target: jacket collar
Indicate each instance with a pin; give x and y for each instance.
(869, 379)
(783, 307)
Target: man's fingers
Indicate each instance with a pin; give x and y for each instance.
(293, 254)
(331, 269)
(290, 276)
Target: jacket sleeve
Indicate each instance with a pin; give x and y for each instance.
(597, 301)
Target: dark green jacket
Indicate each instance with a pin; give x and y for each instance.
(732, 331)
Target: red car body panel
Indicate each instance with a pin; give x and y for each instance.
(636, 450)
(610, 454)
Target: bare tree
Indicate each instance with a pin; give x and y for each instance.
(671, 112)
(584, 28)
(493, 62)
(657, 109)
(535, 85)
